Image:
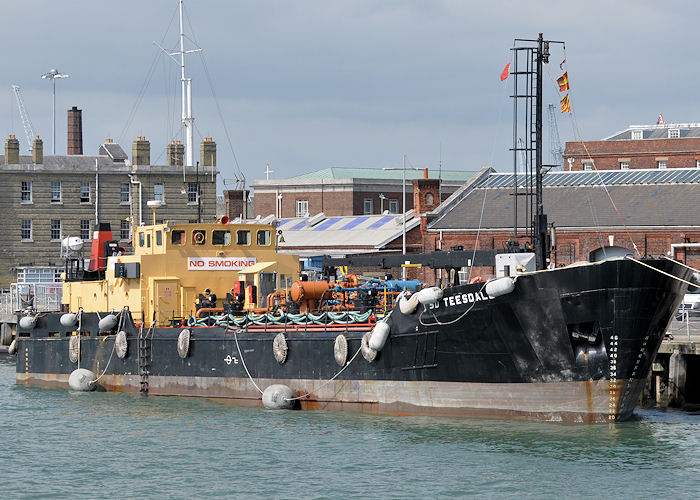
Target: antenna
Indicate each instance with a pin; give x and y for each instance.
(186, 98)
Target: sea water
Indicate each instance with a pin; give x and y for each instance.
(58, 443)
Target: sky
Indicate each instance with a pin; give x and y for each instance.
(311, 84)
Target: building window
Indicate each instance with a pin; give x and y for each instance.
(429, 199)
(587, 165)
(191, 192)
(55, 191)
(26, 191)
(125, 230)
(624, 165)
(661, 163)
(302, 208)
(243, 237)
(55, 229)
(393, 206)
(84, 191)
(368, 206)
(84, 229)
(697, 163)
(124, 193)
(637, 135)
(158, 191)
(26, 230)
(264, 237)
(674, 133)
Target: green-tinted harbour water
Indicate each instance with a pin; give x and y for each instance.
(62, 444)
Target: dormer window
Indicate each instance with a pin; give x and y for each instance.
(674, 133)
(637, 135)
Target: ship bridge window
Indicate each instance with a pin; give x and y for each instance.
(221, 237)
(243, 237)
(142, 239)
(199, 237)
(159, 238)
(264, 237)
(178, 237)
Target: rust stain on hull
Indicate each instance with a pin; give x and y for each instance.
(567, 401)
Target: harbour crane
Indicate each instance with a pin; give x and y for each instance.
(26, 121)
(557, 151)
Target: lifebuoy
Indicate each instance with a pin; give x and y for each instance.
(198, 237)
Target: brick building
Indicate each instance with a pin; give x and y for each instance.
(648, 213)
(48, 198)
(347, 191)
(638, 147)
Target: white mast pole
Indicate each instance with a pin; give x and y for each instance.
(186, 84)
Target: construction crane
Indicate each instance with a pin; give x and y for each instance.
(26, 121)
(557, 151)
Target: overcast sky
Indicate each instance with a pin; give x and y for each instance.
(305, 85)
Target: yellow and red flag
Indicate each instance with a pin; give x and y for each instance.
(563, 82)
(565, 104)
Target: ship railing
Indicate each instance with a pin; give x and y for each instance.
(44, 297)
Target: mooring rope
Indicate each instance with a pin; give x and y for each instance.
(330, 379)
(235, 336)
(660, 271)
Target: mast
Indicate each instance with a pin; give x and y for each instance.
(535, 54)
(186, 90)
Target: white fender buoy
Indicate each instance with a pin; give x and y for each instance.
(278, 397)
(183, 343)
(340, 350)
(82, 379)
(107, 323)
(69, 319)
(13, 347)
(430, 295)
(279, 348)
(27, 322)
(74, 348)
(367, 352)
(120, 344)
(499, 286)
(379, 334)
(408, 305)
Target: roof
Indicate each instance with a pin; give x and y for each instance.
(114, 151)
(686, 130)
(642, 198)
(62, 161)
(358, 233)
(378, 173)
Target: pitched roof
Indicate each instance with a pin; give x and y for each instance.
(378, 173)
(686, 130)
(330, 235)
(642, 198)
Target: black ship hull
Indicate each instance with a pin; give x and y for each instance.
(571, 344)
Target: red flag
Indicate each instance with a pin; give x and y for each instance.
(563, 82)
(565, 104)
(505, 72)
(660, 121)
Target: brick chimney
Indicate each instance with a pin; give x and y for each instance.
(75, 131)
(236, 202)
(141, 151)
(11, 150)
(176, 154)
(426, 196)
(207, 153)
(38, 151)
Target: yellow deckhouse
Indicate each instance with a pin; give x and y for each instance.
(173, 263)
